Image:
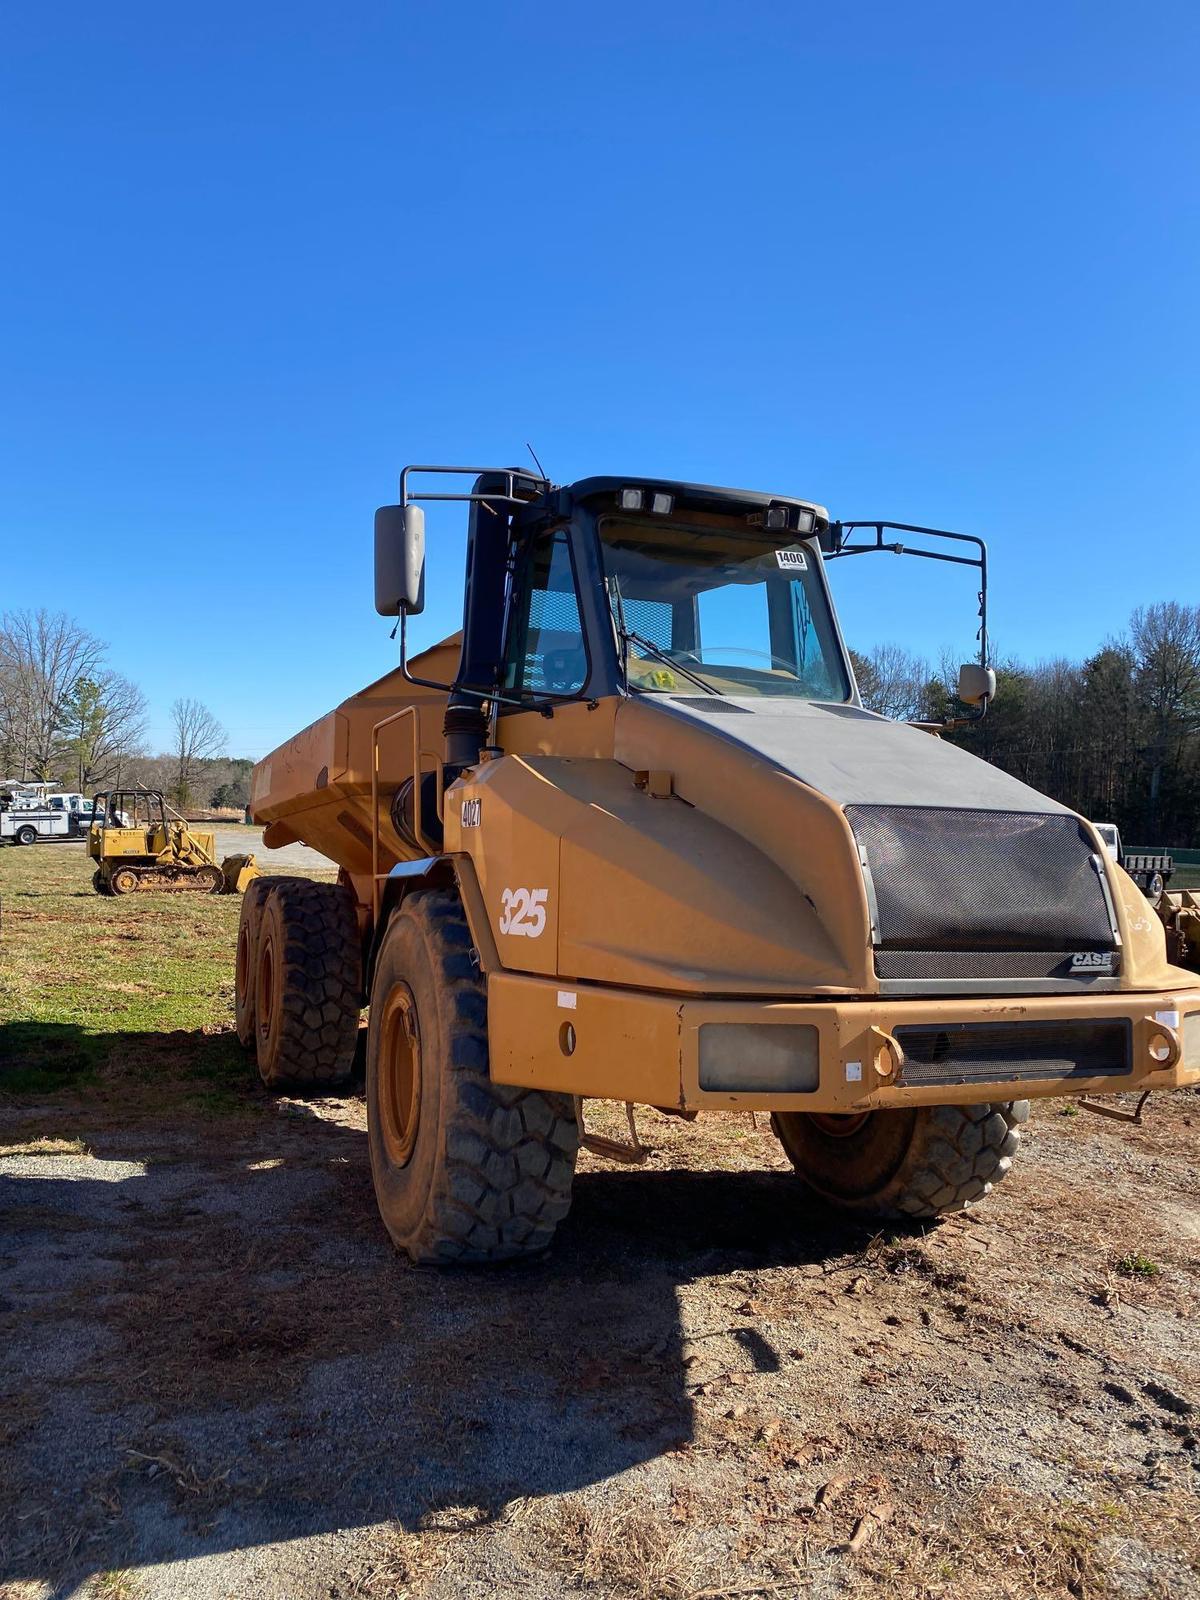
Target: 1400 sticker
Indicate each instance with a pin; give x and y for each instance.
(523, 912)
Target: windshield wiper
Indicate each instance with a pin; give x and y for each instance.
(630, 637)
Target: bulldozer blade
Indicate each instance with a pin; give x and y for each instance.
(238, 871)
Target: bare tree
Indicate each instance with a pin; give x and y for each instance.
(893, 682)
(198, 737)
(43, 655)
(1166, 644)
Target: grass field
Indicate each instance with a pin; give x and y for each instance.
(92, 983)
(218, 1381)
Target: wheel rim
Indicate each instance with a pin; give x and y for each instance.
(399, 1087)
(243, 965)
(266, 978)
(837, 1125)
(124, 882)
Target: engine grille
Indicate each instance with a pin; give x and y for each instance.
(991, 889)
(902, 964)
(997, 1052)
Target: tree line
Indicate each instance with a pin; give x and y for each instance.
(1116, 736)
(67, 717)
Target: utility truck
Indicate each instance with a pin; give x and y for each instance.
(631, 835)
(33, 811)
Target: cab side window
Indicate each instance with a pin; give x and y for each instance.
(546, 653)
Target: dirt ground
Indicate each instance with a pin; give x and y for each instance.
(218, 1380)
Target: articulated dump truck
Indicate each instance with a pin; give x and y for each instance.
(632, 835)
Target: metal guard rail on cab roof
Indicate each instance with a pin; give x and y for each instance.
(841, 529)
(512, 476)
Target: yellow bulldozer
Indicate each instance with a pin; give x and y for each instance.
(632, 835)
(141, 842)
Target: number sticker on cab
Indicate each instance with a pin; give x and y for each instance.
(523, 912)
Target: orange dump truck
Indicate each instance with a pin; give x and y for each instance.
(632, 835)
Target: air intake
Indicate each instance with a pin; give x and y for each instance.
(997, 1052)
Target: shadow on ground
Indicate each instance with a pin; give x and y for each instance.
(209, 1343)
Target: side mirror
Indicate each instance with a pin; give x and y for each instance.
(399, 560)
(975, 683)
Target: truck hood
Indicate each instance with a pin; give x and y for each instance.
(858, 758)
(969, 873)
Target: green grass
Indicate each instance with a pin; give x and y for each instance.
(1138, 1266)
(91, 984)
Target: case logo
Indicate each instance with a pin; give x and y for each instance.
(1092, 961)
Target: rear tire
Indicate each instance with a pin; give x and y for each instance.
(307, 989)
(465, 1170)
(246, 960)
(916, 1162)
(27, 835)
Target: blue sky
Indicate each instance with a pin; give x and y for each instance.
(937, 262)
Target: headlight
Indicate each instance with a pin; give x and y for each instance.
(760, 1057)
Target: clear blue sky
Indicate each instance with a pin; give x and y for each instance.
(938, 262)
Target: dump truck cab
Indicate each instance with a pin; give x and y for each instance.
(689, 869)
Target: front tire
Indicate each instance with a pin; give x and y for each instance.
(916, 1162)
(465, 1170)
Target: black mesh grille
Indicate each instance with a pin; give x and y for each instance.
(898, 964)
(996, 1052)
(947, 880)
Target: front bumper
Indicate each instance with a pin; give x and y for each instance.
(619, 1044)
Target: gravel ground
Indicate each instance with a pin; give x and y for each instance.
(218, 1381)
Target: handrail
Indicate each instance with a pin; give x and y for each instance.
(418, 754)
(513, 476)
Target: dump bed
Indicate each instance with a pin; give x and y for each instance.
(316, 788)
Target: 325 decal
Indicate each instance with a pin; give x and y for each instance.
(523, 912)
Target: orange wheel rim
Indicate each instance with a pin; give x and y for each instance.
(837, 1125)
(399, 1075)
(266, 978)
(243, 963)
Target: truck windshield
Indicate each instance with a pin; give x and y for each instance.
(724, 610)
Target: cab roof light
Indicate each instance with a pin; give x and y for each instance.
(661, 503)
(631, 499)
(778, 519)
